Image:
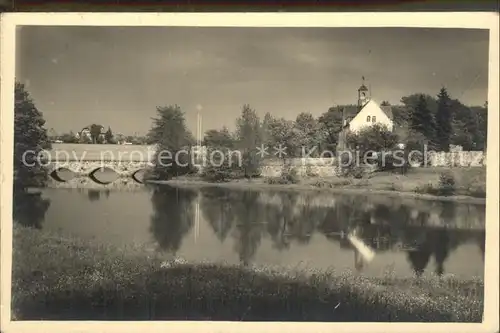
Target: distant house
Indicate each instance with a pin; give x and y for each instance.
(85, 133)
(366, 113)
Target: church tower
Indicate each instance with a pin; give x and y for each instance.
(362, 95)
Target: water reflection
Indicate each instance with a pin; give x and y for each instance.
(368, 233)
(287, 217)
(29, 208)
(173, 216)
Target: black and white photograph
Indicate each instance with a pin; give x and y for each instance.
(266, 173)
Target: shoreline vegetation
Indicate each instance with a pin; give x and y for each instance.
(133, 283)
(461, 185)
(423, 183)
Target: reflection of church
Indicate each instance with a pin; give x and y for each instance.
(435, 242)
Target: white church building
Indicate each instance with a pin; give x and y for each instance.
(366, 113)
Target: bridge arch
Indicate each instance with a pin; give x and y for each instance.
(93, 175)
(135, 177)
(55, 174)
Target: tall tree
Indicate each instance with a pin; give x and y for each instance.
(331, 124)
(308, 132)
(95, 132)
(248, 132)
(219, 138)
(109, 136)
(265, 130)
(173, 140)
(421, 119)
(443, 121)
(219, 145)
(30, 139)
(281, 134)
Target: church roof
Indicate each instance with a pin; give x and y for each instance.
(387, 110)
(350, 111)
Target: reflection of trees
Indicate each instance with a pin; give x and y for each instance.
(217, 206)
(347, 214)
(419, 259)
(173, 216)
(306, 220)
(249, 226)
(279, 218)
(29, 209)
(395, 224)
(384, 225)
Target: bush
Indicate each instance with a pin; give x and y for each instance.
(477, 191)
(446, 184)
(288, 176)
(473, 181)
(352, 168)
(331, 184)
(445, 187)
(227, 170)
(310, 172)
(427, 189)
(395, 187)
(390, 162)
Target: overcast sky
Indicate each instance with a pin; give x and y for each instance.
(117, 76)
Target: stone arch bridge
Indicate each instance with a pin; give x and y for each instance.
(70, 163)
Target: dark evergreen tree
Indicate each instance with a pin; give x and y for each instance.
(30, 140)
(173, 141)
(249, 137)
(109, 136)
(443, 121)
(421, 120)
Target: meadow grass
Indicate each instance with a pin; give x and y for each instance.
(468, 181)
(56, 278)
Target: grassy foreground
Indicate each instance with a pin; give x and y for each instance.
(70, 279)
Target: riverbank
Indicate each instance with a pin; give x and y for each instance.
(58, 278)
(410, 185)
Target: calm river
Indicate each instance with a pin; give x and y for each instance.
(273, 227)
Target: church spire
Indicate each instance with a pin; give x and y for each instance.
(362, 94)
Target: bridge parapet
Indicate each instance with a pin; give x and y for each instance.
(85, 168)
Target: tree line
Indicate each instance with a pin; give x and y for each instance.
(419, 119)
(438, 121)
(96, 137)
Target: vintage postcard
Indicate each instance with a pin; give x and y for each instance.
(249, 172)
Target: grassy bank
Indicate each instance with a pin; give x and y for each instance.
(57, 278)
(420, 183)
